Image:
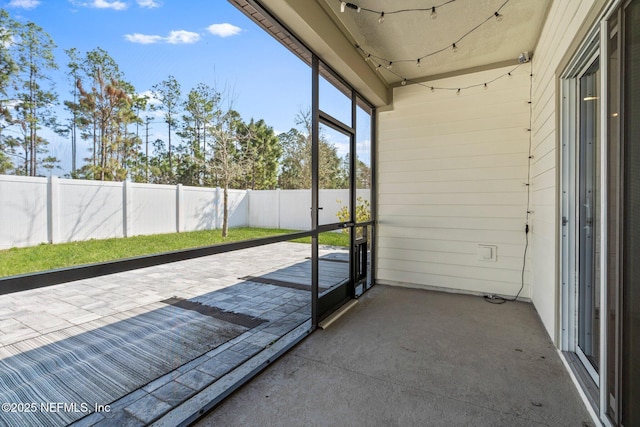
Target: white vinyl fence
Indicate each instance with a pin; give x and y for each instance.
(53, 210)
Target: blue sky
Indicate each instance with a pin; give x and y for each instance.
(206, 41)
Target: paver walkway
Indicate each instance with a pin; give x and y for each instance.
(126, 348)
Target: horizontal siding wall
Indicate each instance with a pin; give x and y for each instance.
(451, 174)
(564, 20)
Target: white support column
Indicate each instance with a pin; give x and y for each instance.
(126, 209)
(53, 210)
(179, 208)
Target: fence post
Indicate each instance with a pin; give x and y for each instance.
(247, 194)
(217, 223)
(179, 208)
(53, 210)
(278, 198)
(126, 209)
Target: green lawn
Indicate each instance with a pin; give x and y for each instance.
(48, 257)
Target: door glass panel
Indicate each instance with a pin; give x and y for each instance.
(363, 177)
(631, 221)
(363, 165)
(334, 177)
(589, 216)
(613, 221)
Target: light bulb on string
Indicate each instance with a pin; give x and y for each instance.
(434, 14)
(390, 66)
(433, 89)
(381, 19)
(379, 68)
(498, 16)
(458, 92)
(404, 82)
(454, 48)
(368, 58)
(343, 5)
(486, 86)
(418, 62)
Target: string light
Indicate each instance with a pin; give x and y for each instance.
(348, 5)
(453, 46)
(458, 90)
(379, 61)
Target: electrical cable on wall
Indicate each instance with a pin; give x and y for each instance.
(498, 299)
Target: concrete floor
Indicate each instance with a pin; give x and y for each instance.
(410, 357)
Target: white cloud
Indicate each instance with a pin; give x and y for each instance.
(174, 37)
(148, 3)
(143, 38)
(224, 30)
(24, 4)
(182, 36)
(151, 99)
(107, 4)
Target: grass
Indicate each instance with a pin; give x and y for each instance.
(48, 257)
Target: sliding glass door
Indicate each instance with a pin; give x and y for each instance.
(601, 215)
(589, 235)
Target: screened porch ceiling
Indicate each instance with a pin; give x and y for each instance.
(345, 39)
(482, 39)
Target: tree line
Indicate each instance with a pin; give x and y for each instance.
(207, 142)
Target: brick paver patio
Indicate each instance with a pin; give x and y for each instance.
(145, 341)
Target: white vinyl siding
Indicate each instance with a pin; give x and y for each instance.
(452, 170)
(564, 20)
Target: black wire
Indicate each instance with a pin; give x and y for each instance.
(498, 299)
(420, 9)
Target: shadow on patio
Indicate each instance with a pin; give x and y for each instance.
(139, 343)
